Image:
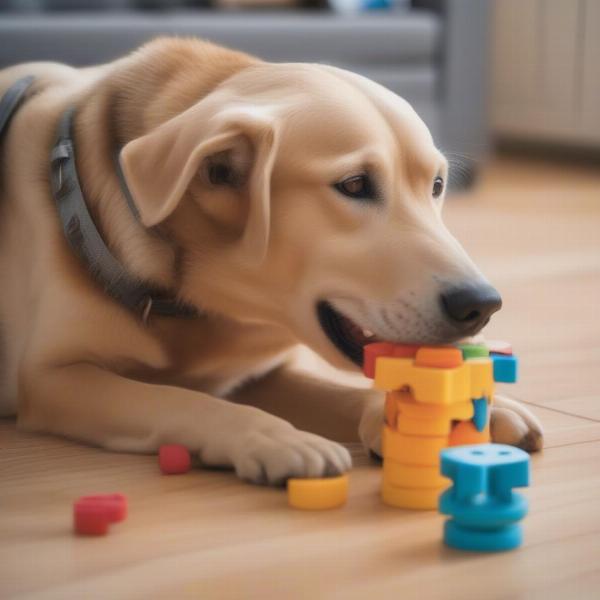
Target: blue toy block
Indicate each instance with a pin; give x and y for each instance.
(505, 368)
(484, 509)
(463, 538)
(492, 469)
(480, 413)
(485, 513)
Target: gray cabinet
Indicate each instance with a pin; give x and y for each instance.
(546, 71)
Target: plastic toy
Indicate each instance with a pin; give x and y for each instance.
(93, 514)
(437, 396)
(484, 510)
(465, 433)
(505, 368)
(474, 350)
(174, 459)
(318, 494)
(480, 413)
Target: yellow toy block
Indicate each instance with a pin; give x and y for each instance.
(407, 476)
(318, 494)
(420, 499)
(482, 377)
(422, 427)
(391, 411)
(406, 405)
(392, 373)
(412, 449)
(428, 385)
(417, 420)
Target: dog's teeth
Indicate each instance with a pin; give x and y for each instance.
(368, 333)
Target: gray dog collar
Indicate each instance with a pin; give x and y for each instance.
(85, 239)
(79, 227)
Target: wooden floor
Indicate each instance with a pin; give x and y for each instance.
(535, 230)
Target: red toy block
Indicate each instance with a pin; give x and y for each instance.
(93, 514)
(115, 505)
(174, 459)
(405, 350)
(371, 352)
(90, 519)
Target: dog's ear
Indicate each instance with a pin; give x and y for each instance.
(159, 167)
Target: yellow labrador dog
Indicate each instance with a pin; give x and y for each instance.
(174, 223)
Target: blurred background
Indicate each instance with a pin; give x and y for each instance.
(511, 74)
(511, 92)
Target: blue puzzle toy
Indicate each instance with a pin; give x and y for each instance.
(505, 368)
(480, 413)
(484, 510)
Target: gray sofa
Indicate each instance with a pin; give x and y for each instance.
(433, 54)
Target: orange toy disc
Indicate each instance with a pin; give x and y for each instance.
(440, 357)
(465, 433)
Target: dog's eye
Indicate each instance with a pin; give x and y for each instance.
(220, 174)
(438, 187)
(358, 186)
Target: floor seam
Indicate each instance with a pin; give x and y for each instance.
(558, 410)
(571, 444)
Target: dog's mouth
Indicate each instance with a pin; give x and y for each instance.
(346, 335)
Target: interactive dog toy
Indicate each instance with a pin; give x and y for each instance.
(318, 494)
(174, 459)
(437, 396)
(93, 514)
(485, 512)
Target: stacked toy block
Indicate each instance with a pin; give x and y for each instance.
(484, 510)
(437, 396)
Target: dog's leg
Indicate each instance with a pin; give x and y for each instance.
(514, 424)
(320, 406)
(85, 402)
(510, 423)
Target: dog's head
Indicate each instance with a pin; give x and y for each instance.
(310, 197)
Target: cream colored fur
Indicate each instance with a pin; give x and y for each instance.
(254, 256)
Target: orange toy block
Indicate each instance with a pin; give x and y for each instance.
(428, 385)
(412, 449)
(406, 405)
(419, 499)
(439, 357)
(465, 433)
(407, 476)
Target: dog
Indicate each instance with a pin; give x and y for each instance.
(270, 205)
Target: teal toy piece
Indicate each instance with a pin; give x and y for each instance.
(506, 368)
(473, 540)
(480, 413)
(484, 510)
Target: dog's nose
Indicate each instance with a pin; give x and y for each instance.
(469, 307)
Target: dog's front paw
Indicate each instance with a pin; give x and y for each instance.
(274, 455)
(370, 427)
(512, 423)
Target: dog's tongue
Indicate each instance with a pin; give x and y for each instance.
(356, 333)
